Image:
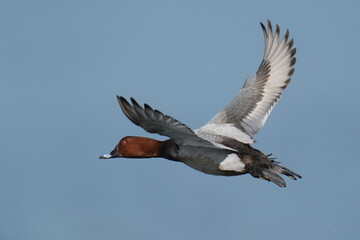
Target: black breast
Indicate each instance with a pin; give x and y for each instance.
(169, 150)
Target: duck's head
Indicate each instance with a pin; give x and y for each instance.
(135, 147)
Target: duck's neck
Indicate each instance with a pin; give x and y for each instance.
(169, 150)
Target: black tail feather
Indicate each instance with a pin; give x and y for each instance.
(272, 177)
(269, 170)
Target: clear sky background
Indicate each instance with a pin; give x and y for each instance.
(63, 62)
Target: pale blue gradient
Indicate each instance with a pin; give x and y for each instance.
(63, 63)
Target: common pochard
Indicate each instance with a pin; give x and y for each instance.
(222, 146)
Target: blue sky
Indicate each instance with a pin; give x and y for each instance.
(63, 63)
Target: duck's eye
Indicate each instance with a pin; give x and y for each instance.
(123, 142)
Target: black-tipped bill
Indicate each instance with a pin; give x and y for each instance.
(105, 156)
(114, 154)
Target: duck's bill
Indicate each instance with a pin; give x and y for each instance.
(114, 154)
(105, 156)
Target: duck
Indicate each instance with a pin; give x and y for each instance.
(222, 146)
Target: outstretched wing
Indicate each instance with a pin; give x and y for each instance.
(154, 121)
(247, 113)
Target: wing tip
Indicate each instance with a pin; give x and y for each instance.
(270, 27)
(286, 36)
(120, 98)
(277, 31)
(264, 30)
(122, 101)
(290, 43)
(291, 72)
(134, 102)
(293, 61)
(268, 31)
(128, 109)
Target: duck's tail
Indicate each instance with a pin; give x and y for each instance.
(269, 170)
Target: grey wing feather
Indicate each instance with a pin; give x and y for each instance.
(249, 110)
(154, 121)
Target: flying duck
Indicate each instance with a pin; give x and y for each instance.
(222, 146)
